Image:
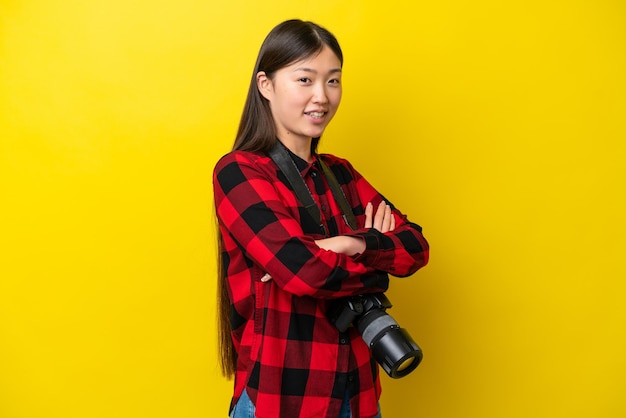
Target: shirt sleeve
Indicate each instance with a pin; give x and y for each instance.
(250, 207)
(400, 252)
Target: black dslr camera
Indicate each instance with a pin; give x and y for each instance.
(392, 346)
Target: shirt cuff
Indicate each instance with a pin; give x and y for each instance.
(374, 255)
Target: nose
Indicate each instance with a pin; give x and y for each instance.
(319, 94)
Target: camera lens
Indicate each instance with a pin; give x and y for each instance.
(405, 364)
(392, 346)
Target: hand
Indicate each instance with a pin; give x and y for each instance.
(266, 278)
(342, 244)
(383, 220)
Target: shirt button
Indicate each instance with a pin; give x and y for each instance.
(324, 208)
(342, 341)
(313, 174)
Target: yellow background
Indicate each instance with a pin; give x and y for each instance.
(497, 125)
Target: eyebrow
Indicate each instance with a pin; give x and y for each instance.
(310, 70)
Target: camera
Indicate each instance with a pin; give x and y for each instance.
(391, 346)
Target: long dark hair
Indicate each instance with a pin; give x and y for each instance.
(290, 41)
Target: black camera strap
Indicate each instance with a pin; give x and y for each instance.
(340, 197)
(286, 164)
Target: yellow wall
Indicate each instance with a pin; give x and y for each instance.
(497, 125)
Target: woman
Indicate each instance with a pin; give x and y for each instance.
(280, 269)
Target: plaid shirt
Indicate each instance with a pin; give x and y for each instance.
(292, 360)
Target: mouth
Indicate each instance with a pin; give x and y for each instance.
(315, 115)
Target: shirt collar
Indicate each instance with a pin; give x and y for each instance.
(303, 166)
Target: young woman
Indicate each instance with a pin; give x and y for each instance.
(280, 270)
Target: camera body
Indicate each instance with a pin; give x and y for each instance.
(392, 346)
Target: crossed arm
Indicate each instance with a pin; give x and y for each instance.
(383, 221)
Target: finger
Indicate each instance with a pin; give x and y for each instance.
(266, 278)
(369, 210)
(387, 219)
(393, 223)
(380, 216)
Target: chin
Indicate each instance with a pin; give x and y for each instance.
(316, 133)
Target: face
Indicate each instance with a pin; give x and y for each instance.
(303, 97)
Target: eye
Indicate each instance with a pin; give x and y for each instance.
(334, 81)
(304, 80)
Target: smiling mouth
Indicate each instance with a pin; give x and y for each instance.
(317, 115)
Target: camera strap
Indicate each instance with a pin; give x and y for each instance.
(286, 164)
(340, 197)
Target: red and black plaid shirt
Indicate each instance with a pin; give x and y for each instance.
(292, 360)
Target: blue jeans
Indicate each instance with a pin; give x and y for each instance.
(245, 408)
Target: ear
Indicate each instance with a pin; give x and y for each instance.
(264, 84)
